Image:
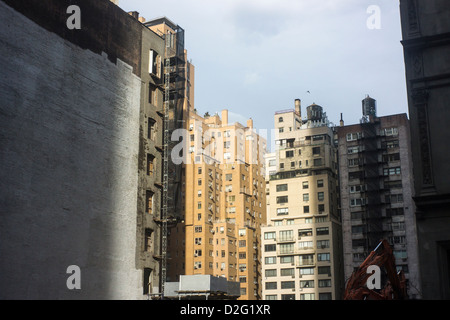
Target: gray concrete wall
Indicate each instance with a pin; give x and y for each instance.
(69, 127)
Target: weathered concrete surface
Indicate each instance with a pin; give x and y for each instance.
(69, 121)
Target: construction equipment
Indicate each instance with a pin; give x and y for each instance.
(395, 287)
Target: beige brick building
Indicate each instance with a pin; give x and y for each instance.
(224, 203)
(301, 243)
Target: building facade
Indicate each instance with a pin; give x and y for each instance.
(426, 44)
(376, 182)
(302, 241)
(224, 201)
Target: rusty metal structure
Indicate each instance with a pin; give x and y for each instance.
(395, 286)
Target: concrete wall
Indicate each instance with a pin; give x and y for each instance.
(69, 127)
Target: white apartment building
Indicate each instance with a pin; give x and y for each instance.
(302, 241)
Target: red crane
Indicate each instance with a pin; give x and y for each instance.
(394, 289)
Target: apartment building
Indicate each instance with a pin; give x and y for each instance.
(301, 243)
(376, 187)
(224, 201)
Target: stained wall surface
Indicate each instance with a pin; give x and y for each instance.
(69, 127)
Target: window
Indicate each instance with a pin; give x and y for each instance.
(282, 211)
(324, 270)
(271, 297)
(306, 259)
(322, 231)
(149, 202)
(394, 198)
(323, 244)
(358, 229)
(270, 260)
(289, 153)
(391, 157)
(319, 183)
(355, 175)
(305, 184)
(391, 131)
(287, 272)
(325, 296)
(270, 272)
(148, 240)
(307, 284)
(151, 134)
(306, 197)
(286, 248)
(280, 119)
(352, 150)
(269, 235)
(391, 171)
(286, 235)
(305, 232)
(357, 188)
(198, 229)
(271, 285)
(357, 202)
(321, 208)
(305, 209)
(282, 187)
(392, 144)
(316, 150)
(150, 164)
(305, 245)
(317, 162)
(288, 297)
(270, 247)
(353, 136)
(320, 196)
(287, 259)
(147, 280)
(282, 199)
(400, 254)
(198, 253)
(306, 271)
(353, 162)
(287, 284)
(280, 130)
(229, 177)
(323, 257)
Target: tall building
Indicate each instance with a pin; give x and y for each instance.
(375, 171)
(302, 241)
(224, 202)
(88, 197)
(426, 39)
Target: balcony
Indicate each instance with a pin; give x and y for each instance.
(285, 239)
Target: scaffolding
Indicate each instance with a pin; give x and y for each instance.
(372, 168)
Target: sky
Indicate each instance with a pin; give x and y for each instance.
(255, 57)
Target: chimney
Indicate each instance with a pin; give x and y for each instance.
(298, 107)
(224, 117)
(250, 123)
(141, 19)
(341, 122)
(134, 14)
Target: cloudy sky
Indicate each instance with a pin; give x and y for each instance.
(255, 57)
